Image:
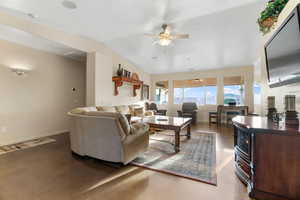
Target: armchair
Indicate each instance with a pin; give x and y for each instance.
(189, 109)
(153, 107)
(107, 135)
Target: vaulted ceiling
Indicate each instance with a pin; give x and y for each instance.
(222, 33)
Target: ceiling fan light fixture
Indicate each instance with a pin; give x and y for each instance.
(164, 42)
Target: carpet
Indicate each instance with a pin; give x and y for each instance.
(25, 145)
(196, 159)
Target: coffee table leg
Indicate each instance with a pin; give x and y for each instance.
(177, 141)
(189, 131)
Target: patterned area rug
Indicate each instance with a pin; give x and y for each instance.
(25, 145)
(196, 160)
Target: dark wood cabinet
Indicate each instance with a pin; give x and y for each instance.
(267, 158)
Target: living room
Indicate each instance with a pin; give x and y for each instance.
(175, 99)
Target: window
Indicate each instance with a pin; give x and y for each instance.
(161, 92)
(257, 94)
(233, 90)
(201, 91)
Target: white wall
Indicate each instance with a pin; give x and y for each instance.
(246, 72)
(100, 87)
(35, 105)
(279, 92)
(107, 68)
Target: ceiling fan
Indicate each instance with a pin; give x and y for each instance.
(165, 37)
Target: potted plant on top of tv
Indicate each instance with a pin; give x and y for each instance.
(268, 17)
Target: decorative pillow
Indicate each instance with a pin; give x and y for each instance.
(106, 108)
(133, 107)
(83, 110)
(139, 111)
(78, 111)
(139, 128)
(123, 109)
(148, 113)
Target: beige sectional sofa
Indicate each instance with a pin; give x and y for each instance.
(105, 133)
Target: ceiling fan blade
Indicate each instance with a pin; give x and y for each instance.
(180, 36)
(151, 35)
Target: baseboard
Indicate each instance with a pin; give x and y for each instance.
(36, 137)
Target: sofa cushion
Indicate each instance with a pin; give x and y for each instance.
(106, 108)
(120, 117)
(124, 109)
(148, 113)
(138, 112)
(132, 108)
(83, 110)
(139, 128)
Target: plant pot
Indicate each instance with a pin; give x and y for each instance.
(269, 22)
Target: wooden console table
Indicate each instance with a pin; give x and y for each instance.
(267, 158)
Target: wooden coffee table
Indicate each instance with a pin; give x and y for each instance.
(170, 123)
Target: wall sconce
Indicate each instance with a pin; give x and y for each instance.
(19, 72)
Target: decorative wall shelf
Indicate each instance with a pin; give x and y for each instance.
(137, 84)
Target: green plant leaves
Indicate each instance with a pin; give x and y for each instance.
(273, 9)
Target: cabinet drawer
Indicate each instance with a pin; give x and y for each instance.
(243, 165)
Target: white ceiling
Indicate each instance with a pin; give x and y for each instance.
(26, 39)
(222, 33)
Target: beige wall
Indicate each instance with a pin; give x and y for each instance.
(35, 105)
(279, 92)
(245, 72)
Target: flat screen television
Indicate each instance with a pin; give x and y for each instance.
(283, 52)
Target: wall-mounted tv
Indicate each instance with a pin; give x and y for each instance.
(283, 52)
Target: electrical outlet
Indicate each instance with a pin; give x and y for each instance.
(3, 129)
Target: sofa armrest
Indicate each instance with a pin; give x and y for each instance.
(139, 128)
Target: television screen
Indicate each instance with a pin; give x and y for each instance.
(283, 53)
